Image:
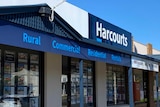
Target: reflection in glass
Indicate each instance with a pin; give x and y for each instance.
(75, 88)
(71, 85)
(116, 88)
(20, 82)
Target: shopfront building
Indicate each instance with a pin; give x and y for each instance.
(145, 74)
(49, 64)
(42, 60)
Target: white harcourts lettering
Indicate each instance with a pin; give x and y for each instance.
(110, 35)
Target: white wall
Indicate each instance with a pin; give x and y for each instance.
(156, 51)
(142, 49)
(53, 71)
(139, 48)
(101, 99)
(75, 16)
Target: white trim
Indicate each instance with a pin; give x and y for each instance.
(144, 64)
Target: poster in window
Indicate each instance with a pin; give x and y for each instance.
(110, 95)
(7, 79)
(9, 56)
(7, 68)
(22, 90)
(33, 91)
(8, 91)
(34, 70)
(34, 59)
(12, 67)
(78, 98)
(34, 80)
(73, 99)
(22, 68)
(12, 80)
(22, 57)
(33, 102)
(22, 74)
(22, 80)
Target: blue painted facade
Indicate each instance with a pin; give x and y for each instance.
(27, 38)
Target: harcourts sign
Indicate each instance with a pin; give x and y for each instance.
(102, 31)
(110, 35)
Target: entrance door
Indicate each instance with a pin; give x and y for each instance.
(116, 85)
(66, 84)
(71, 83)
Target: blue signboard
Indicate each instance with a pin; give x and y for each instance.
(30, 39)
(102, 31)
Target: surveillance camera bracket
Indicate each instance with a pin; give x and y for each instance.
(51, 18)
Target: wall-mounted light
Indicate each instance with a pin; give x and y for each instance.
(45, 11)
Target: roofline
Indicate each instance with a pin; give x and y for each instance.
(4, 10)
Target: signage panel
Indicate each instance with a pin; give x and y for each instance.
(26, 38)
(144, 64)
(102, 31)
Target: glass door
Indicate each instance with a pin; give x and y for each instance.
(75, 83)
(116, 88)
(71, 83)
(65, 81)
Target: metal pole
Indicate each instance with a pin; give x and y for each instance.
(130, 84)
(81, 83)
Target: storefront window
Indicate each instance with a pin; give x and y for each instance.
(140, 85)
(19, 79)
(159, 85)
(116, 85)
(87, 83)
(154, 88)
(0, 74)
(71, 83)
(75, 84)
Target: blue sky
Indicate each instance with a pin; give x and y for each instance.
(140, 17)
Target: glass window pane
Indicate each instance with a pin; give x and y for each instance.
(34, 59)
(88, 83)
(116, 88)
(34, 80)
(20, 85)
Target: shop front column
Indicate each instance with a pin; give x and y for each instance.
(130, 84)
(52, 81)
(100, 75)
(81, 83)
(150, 90)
